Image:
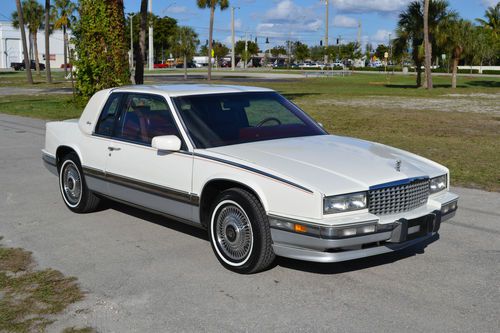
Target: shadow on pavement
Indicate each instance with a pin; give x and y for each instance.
(156, 219)
(355, 265)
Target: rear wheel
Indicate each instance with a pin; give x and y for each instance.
(74, 190)
(239, 232)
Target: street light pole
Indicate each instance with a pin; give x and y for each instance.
(390, 54)
(151, 51)
(246, 49)
(326, 31)
(233, 58)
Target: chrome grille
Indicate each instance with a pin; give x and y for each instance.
(399, 198)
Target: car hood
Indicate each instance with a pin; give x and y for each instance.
(331, 164)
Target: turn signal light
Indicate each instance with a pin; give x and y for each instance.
(299, 228)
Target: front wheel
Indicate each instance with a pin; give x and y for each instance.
(239, 232)
(74, 190)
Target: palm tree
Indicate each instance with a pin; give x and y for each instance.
(32, 17)
(457, 36)
(427, 46)
(47, 41)
(141, 51)
(410, 30)
(223, 4)
(492, 20)
(64, 11)
(27, 64)
(185, 42)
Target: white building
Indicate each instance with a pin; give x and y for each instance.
(11, 48)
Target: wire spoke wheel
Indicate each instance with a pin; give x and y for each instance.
(233, 232)
(71, 184)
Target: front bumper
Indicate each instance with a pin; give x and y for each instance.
(404, 233)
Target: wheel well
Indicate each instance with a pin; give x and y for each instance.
(61, 152)
(212, 190)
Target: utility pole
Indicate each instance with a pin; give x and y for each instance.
(246, 49)
(151, 51)
(390, 52)
(233, 57)
(339, 43)
(327, 7)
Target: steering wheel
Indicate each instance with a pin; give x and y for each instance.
(268, 119)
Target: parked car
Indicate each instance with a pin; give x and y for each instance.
(309, 65)
(160, 65)
(189, 65)
(261, 176)
(20, 66)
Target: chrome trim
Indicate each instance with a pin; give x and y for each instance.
(49, 159)
(162, 191)
(398, 197)
(397, 183)
(262, 173)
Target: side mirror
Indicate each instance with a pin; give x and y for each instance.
(166, 142)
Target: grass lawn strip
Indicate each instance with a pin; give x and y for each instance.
(29, 298)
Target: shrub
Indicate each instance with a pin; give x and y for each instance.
(102, 57)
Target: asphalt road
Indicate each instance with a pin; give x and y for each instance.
(143, 273)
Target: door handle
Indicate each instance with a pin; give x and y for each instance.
(113, 148)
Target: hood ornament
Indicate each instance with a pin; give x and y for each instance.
(398, 165)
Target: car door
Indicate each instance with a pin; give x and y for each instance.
(95, 150)
(142, 175)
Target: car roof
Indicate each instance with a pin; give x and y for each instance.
(174, 90)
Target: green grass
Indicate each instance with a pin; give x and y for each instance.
(18, 79)
(44, 106)
(466, 142)
(28, 297)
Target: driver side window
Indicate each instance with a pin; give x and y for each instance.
(269, 112)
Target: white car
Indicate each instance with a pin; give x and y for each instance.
(250, 167)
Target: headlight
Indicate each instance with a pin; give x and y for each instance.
(344, 203)
(438, 184)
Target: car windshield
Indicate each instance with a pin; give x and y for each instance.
(215, 120)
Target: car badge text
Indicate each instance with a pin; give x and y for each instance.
(398, 165)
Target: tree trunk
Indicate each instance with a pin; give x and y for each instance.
(139, 62)
(418, 68)
(27, 64)
(65, 41)
(210, 35)
(427, 45)
(37, 59)
(47, 42)
(454, 73)
(185, 68)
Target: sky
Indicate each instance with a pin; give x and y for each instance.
(281, 20)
